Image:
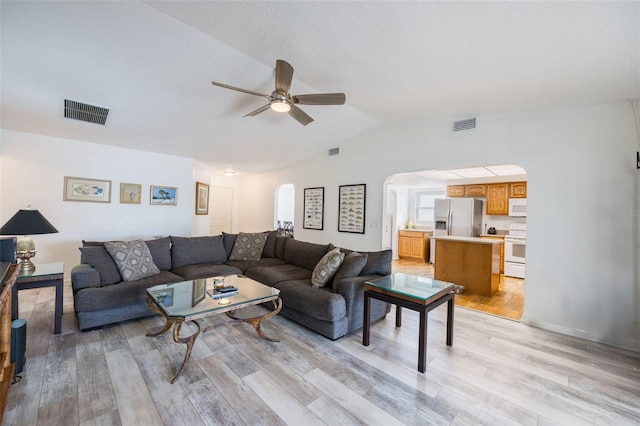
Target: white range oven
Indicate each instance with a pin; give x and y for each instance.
(514, 250)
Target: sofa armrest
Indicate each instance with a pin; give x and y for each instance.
(352, 289)
(84, 276)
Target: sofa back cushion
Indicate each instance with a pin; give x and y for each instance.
(193, 250)
(161, 252)
(281, 242)
(378, 262)
(100, 260)
(304, 254)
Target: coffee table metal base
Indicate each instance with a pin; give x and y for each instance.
(191, 339)
(424, 316)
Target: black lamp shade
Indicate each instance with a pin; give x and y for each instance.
(27, 222)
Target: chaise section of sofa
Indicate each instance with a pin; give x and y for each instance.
(101, 296)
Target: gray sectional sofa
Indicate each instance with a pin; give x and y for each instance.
(101, 296)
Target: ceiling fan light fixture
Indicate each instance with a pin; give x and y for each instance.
(280, 105)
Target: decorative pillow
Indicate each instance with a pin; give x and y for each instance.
(326, 268)
(228, 240)
(269, 249)
(132, 258)
(193, 250)
(248, 246)
(101, 261)
(351, 267)
(160, 250)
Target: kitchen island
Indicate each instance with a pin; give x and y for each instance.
(468, 261)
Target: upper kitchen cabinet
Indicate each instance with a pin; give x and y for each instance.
(478, 190)
(498, 199)
(455, 191)
(518, 190)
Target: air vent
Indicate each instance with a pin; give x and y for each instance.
(468, 124)
(85, 112)
(334, 151)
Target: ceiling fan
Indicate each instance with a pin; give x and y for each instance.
(281, 100)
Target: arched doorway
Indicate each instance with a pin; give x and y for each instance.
(285, 209)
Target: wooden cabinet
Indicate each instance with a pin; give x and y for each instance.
(478, 190)
(496, 237)
(455, 191)
(498, 199)
(413, 244)
(518, 190)
(8, 277)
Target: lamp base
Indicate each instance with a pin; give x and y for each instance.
(25, 265)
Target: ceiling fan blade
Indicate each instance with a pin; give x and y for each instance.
(258, 111)
(300, 115)
(226, 86)
(284, 75)
(320, 99)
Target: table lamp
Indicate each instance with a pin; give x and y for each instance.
(27, 222)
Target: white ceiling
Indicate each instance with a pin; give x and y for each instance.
(152, 64)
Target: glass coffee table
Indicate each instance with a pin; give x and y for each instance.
(189, 301)
(412, 292)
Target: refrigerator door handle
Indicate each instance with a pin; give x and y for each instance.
(450, 220)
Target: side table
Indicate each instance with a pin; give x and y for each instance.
(45, 275)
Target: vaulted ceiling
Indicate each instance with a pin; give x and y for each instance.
(152, 63)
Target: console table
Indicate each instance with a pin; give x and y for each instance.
(415, 293)
(45, 275)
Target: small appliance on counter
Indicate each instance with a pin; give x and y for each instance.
(491, 231)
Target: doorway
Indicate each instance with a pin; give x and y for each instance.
(285, 209)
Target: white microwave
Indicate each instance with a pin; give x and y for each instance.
(517, 207)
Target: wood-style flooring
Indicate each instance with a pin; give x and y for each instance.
(508, 302)
(498, 372)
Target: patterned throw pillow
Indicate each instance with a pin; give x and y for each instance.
(248, 246)
(132, 258)
(326, 268)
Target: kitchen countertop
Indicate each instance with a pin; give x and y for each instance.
(494, 235)
(415, 230)
(474, 240)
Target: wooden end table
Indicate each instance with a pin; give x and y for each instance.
(45, 275)
(412, 292)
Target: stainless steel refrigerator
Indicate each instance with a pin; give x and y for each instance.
(461, 217)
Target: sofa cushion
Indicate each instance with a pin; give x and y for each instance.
(351, 267)
(319, 303)
(132, 258)
(378, 262)
(205, 270)
(248, 264)
(269, 249)
(281, 241)
(228, 240)
(269, 275)
(122, 294)
(193, 250)
(326, 268)
(100, 260)
(160, 252)
(304, 254)
(248, 246)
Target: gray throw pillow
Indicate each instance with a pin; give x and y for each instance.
(351, 267)
(160, 249)
(326, 268)
(228, 240)
(248, 246)
(269, 249)
(132, 258)
(98, 258)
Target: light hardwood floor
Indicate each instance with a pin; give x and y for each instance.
(508, 302)
(497, 372)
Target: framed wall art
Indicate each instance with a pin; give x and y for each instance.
(202, 198)
(351, 205)
(130, 193)
(164, 195)
(83, 189)
(313, 208)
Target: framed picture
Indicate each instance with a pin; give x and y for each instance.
(202, 198)
(83, 189)
(130, 193)
(351, 205)
(313, 208)
(164, 195)
(165, 297)
(198, 291)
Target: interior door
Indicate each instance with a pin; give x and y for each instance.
(221, 210)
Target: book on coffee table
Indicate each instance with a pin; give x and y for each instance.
(219, 294)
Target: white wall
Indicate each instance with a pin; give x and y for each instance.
(33, 170)
(581, 245)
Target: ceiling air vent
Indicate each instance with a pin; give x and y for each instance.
(85, 112)
(334, 151)
(467, 124)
